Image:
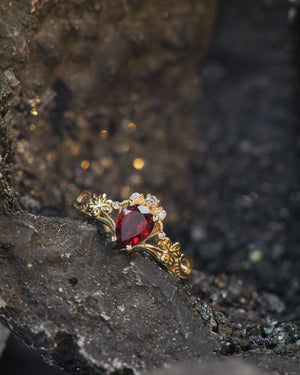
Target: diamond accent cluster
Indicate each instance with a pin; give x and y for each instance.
(161, 214)
(116, 205)
(135, 197)
(151, 202)
(161, 235)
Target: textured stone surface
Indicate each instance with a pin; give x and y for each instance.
(86, 71)
(228, 367)
(82, 304)
(85, 306)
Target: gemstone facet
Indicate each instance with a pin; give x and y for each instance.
(135, 197)
(116, 205)
(161, 214)
(161, 235)
(134, 224)
(151, 200)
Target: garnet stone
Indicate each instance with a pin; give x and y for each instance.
(134, 224)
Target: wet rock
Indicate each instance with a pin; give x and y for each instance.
(87, 307)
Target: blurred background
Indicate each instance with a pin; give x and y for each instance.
(198, 105)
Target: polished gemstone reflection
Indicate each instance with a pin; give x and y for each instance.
(134, 224)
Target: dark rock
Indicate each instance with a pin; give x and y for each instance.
(248, 177)
(272, 303)
(82, 304)
(244, 324)
(90, 66)
(225, 367)
(4, 335)
(87, 307)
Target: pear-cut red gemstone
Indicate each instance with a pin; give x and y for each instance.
(134, 224)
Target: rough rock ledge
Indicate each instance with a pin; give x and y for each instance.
(87, 307)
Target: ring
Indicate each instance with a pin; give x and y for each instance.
(139, 226)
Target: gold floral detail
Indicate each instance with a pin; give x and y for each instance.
(97, 206)
(171, 251)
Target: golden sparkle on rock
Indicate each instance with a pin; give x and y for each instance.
(32, 127)
(138, 163)
(103, 134)
(85, 164)
(33, 103)
(36, 100)
(132, 126)
(34, 112)
(21, 147)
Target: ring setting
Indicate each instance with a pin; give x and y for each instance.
(138, 226)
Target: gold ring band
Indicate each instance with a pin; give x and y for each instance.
(139, 226)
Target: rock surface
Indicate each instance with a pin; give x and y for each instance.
(228, 367)
(104, 83)
(4, 335)
(88, 308)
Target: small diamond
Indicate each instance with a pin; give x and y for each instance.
(161, 214)
(128, 247)
(155, 218)
(151, 200)
(135, 197)
(116, 205)
(113, 238)
(161, 235)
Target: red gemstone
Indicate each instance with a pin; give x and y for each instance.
(134, 224)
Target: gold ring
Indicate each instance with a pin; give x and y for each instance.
(139, 226)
